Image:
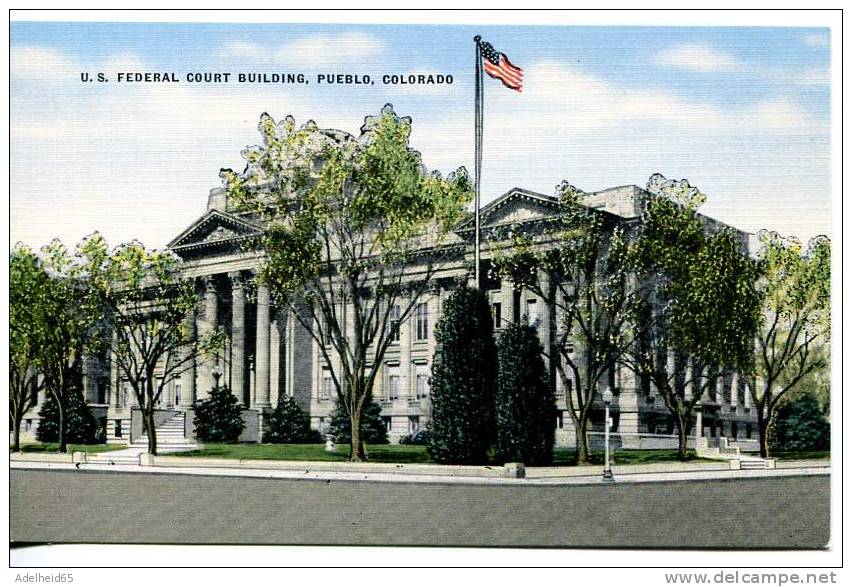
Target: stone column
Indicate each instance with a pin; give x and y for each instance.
(289, 347)
(628, 408)
(187, 378)
(262, 351)
(407, 331)
(735, 390)
(720, 390)
(747, 394)
(508, 290)
(274, 358)
(705, 393)
(114, 375)
(238, 338)
(206, 326)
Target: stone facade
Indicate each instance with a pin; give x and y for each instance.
(270, 354)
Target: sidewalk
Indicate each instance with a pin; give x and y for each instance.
(408, 473)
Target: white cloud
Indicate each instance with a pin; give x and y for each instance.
(697, 58)
(570, 98)
(320, 49)
(39, 63)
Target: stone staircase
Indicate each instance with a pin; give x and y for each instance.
(723, 451)
(170, 438)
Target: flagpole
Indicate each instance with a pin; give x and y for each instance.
(477, 123)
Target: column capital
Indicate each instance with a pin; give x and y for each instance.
(238, 280)
(209, 283)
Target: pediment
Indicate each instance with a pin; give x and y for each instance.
(212, 229)
(514, 206)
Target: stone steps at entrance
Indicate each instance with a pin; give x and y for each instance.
(724, 452)
(170, 436)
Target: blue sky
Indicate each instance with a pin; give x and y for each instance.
(743, 113)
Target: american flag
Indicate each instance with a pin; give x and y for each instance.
(498, 66)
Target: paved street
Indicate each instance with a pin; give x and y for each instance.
(126, 507)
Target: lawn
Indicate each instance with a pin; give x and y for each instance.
(568, 456)
(396, 453)
(379, 453)
(792, 455)
(54, 446)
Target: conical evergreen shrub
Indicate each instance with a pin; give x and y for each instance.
(463, 377)
(219, 417)
(80, 425)
(525, 406)
(290, 424)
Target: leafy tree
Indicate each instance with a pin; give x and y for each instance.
(68, 325)
(795, 326)
(525, 406)
(145, 304)
(373, 430)
(700, 307)
(580, 264)
(463, 380)
(290, 424)
(28, 286)
(343, 220)
(219, 417)
(80, 425)
(801, 425)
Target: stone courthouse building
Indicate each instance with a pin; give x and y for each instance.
(270, 355)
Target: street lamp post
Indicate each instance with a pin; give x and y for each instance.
(217, 373)
(607, 471)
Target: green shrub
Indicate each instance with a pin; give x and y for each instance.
(80, 425)
(219, 418)
(801, 425)
(290, 424)
(373, 429)
(463, 377)
(525, 407)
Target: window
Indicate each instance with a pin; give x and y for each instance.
(560, 422)
(157, 385)
(421, 382)
(532, 312)
(29, 425)
(393, 383)
(118, 428)
(327, 387)
(413, 424)
(388, 423)
(394, 324)
(497, 314)
(422, 318)
(177, 393)
(125, 392)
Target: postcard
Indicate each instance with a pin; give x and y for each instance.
(459, 285)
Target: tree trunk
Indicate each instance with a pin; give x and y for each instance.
(63, 447)
(581, 426)
(17, 434)
(356, 446)
(762, 429)
(152, 431)
(765, 426)
(681, 436)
